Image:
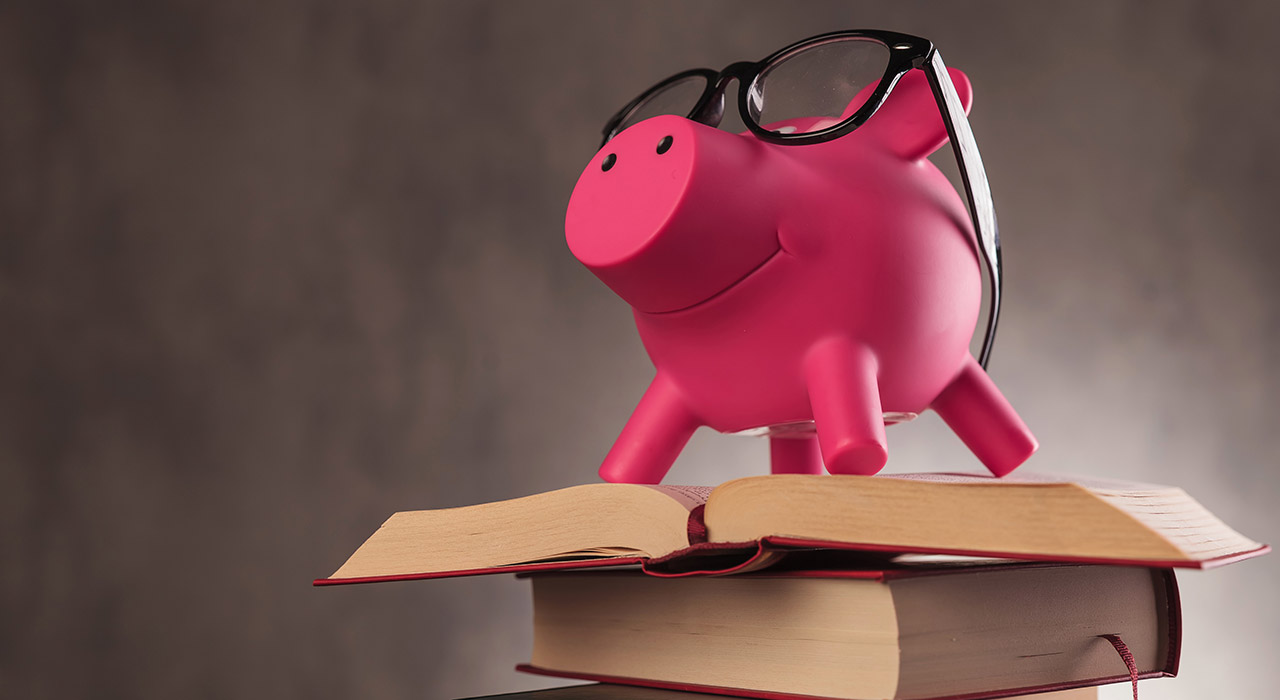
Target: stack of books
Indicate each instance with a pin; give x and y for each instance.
(850, 587)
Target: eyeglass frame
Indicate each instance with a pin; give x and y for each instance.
(906, 52)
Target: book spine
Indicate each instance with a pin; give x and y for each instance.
(1173, 607)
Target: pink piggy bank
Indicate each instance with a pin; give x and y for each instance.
(777, 287)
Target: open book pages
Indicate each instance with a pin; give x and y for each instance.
(592, 521)
(1026, 515)
(1022, 517)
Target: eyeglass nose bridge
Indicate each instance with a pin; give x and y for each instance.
(710, 110)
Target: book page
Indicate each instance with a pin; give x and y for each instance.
(1025, 516)
(1091, 483)
(688, 496)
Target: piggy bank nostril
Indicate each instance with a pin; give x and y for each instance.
(609, 160)
(664, 145)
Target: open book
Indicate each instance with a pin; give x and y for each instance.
(747, 524)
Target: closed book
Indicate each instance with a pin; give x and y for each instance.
(961, 631)
(607, 691)
(750, 523)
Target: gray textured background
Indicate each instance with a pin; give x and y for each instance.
(271, 271)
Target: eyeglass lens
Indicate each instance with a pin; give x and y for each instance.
(817, 86)
(677, 97)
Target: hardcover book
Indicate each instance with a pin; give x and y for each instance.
(604, 691)
(961, 631)
(751, 523)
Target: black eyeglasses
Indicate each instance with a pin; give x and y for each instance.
(822, 88)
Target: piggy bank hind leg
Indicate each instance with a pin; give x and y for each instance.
(653, 437)
(845, 397)
(795, 454)
(983, 419)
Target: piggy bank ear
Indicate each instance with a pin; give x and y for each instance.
(909, 123)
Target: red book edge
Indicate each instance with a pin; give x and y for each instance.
(1173, 601)
(795, 542)
(753, 556)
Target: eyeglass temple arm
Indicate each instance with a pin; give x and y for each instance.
(977, 189)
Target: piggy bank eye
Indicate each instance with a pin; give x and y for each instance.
(608, 162)
(664, 145)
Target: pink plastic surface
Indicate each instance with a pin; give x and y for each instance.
(834, 282)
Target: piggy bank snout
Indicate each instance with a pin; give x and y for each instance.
(667, 214)
(628, 191)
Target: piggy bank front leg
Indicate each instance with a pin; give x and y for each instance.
(983, 419)
(653, 437)
(845, 397)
